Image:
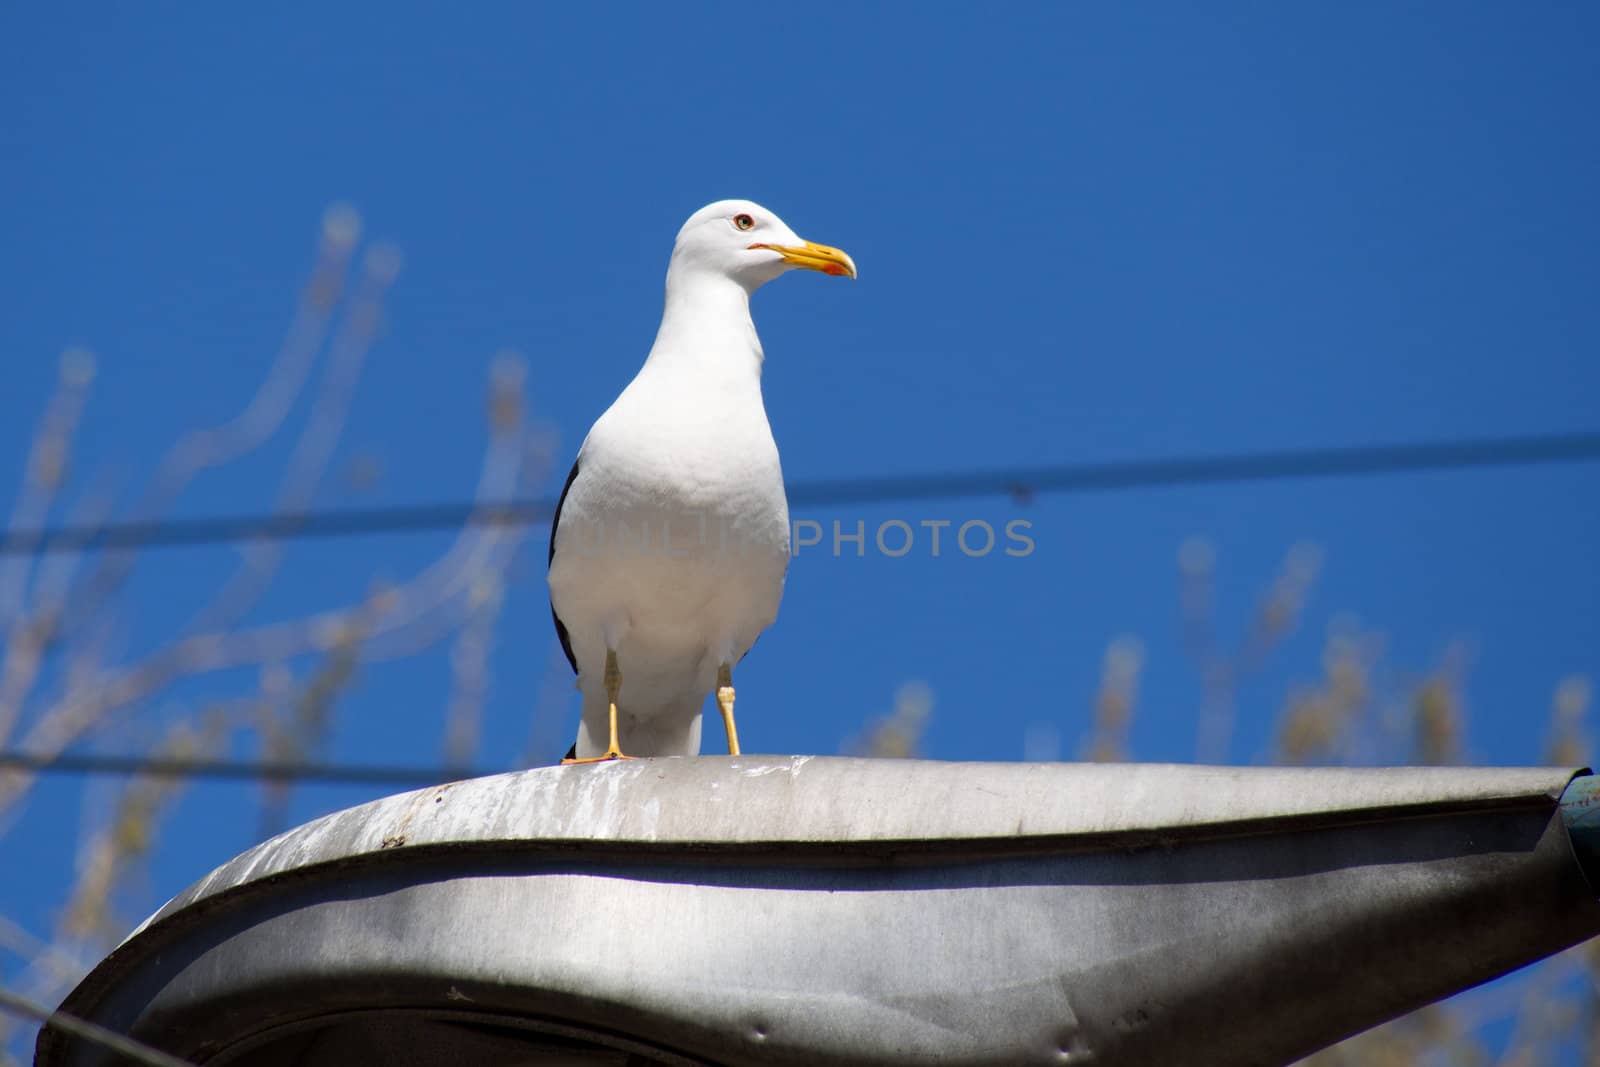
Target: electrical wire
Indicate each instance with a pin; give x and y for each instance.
(1019, 482)
(126, 1046)
(237, 770)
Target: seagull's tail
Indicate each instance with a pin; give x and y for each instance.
(644, 728)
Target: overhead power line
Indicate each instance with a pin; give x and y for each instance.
(94, 1033)
(1018, 482)
(238, 770)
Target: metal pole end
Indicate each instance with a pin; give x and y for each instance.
(1580, 812)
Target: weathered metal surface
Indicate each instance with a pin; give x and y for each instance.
(820, 910)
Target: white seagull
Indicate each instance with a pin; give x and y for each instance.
(671, 538)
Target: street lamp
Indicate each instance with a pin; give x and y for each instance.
(812, 910)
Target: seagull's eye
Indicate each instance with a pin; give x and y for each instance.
(744, 222)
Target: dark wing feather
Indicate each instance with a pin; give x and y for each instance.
(555, 524)
(786, 563)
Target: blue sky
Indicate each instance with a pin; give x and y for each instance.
(1084, 233)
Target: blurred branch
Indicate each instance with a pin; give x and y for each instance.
(296, 724)
(469, 664)
(1115, 701)
(1438, 712)
(1569, 744)
(1318, 722)
(1224, 671)
(403, 620)
(61, 608)
(897, 735)
(17, 941)
(261, 418)
(87, 924)
(399, 620)
(133, 830)
(28, 635)
(44, 472)
(314, 450)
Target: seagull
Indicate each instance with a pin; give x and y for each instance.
(671, 537)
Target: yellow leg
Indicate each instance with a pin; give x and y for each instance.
(725, 705)
(613, 689)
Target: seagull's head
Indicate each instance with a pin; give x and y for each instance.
(742, 240)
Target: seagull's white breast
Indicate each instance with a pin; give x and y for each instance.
(676, 531)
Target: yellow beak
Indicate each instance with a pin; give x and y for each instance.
(815, 257)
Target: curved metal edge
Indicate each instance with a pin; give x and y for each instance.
(1527, 901)
(250, 875)
(806, 803)
(507, 1020)
(1580, 813)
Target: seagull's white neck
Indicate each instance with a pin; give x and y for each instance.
(706, 327)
